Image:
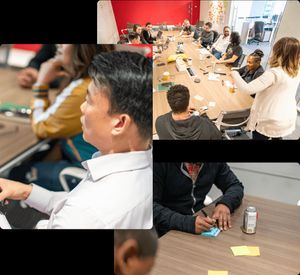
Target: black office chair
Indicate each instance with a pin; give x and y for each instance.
(232, 123)
(216, 36)
(258, 32)
(241, 60)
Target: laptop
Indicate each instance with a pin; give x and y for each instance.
(159, 35)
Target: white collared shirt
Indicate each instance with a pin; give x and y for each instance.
(115, 194)
(222, 43)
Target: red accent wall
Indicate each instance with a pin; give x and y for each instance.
(155, 11)
(28, 47)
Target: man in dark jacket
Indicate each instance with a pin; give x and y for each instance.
(181, 123)
(179, 191)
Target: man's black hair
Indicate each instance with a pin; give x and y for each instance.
(178, 98)
(127, 79)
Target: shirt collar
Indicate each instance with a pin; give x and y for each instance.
(100, 166)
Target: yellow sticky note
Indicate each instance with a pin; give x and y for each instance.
(240, 250)
(253, 251)
(215, 272)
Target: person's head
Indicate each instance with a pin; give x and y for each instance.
(186, 23)
(117, 113)
(134, 251)
(76, 58)
(235, 38)
(226, 31)
(286, 54)
(134, 38)
(254, 60)
(137, 28)
(148, 26)
(207, 26)
(178, 98)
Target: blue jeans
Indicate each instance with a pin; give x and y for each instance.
(216, 53)
(44, 174)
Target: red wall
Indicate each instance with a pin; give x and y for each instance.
(155, 11)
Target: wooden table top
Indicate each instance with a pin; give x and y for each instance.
(277, 235)
(19, 137)
(211, 91)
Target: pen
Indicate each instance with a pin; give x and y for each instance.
(204, 213)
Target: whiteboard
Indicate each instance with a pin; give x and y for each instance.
(107, 31)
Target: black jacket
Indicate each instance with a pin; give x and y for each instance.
(147, 37)
(193, 128)
(172, 193)
(46, 52)
(248, 76)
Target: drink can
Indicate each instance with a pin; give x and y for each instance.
(250, 219)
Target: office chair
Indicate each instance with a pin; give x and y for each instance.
(75, 172)
(258, 32)
(199, 24)
(129, 27)
(216, 35)
(241, 60)
(6, 50)
(230, 123)
(124, 37)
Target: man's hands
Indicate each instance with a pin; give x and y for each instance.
(222, 214)
(14, 190)
(203, 224)
(27, 77)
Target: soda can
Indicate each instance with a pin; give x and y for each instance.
(250, 220)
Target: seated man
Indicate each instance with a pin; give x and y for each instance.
(138, 29)
(186, 28)
(117, 191)
(179, 190)
(220, 46)
(181, 123)
(207, 35)
(134, 38)
(147, 33)
(134, 251)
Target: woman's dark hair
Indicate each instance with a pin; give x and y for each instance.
(257, 55)
(178, 98)
(235, 38)
(135, 26)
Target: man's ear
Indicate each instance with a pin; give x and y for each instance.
(121, 123)
(126, 254)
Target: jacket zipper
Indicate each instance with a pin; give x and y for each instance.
(193, 185)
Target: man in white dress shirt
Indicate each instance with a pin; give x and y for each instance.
(220, 46)
(117, 119)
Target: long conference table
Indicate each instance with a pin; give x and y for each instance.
(277, 235)
(214, 94)
(17, 140)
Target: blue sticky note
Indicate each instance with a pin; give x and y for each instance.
(213, 232)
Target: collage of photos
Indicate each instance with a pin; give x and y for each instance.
(81, 126)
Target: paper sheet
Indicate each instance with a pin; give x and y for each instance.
(245, 250)
(211, 104)
(198, 97)
(212, 76)
(3, 222)
(215, 272)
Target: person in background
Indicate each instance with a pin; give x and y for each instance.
(147, 33)
(182, 123)
(60, 119)
(274, 110)
(207, 35)
(138, 29)
(134, 251)
(134, 38)
(253, 69)
(220, 46)
(29, 75)
(233, 52)
(117, 119)
(179, 191)
(186, 28)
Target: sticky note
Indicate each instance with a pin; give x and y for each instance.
(254, 251)
(216, 272)
(211, 104)
(198, 97)
(213, 232)
(245, 250)
(239, 250)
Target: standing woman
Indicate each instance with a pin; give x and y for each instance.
(273, 113)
